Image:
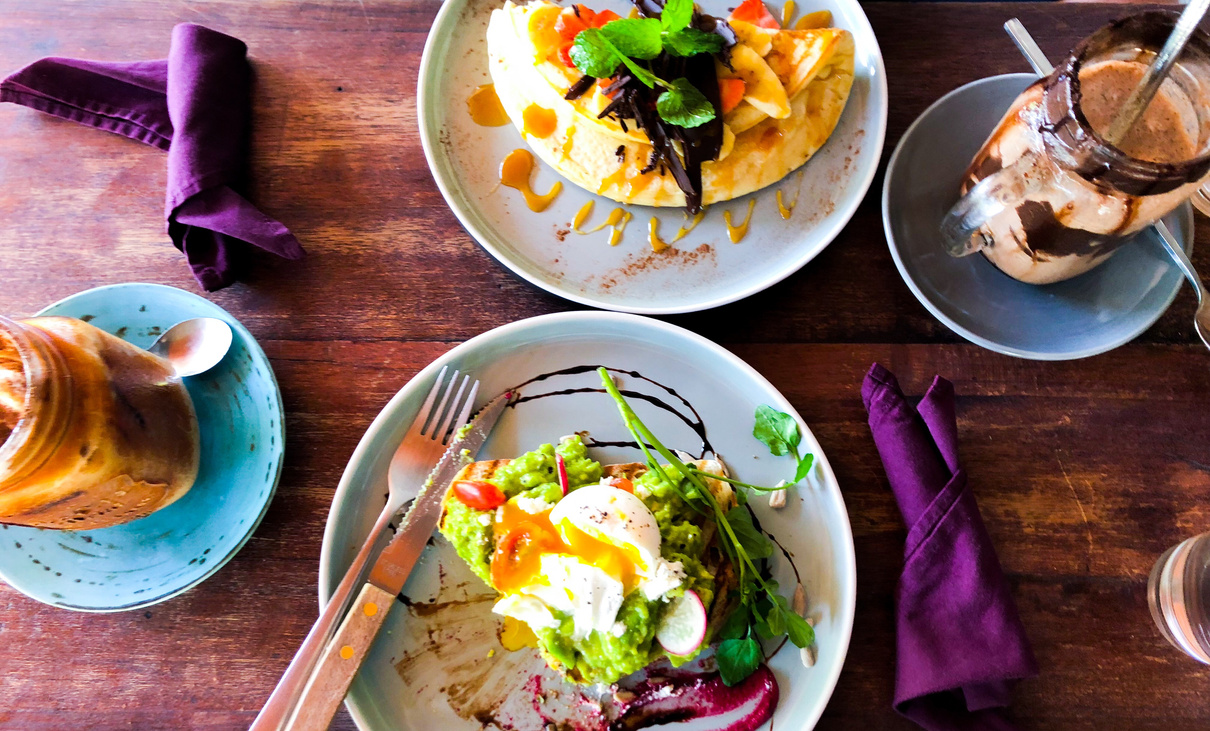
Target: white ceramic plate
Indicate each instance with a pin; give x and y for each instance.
(437, 661)
(704, 269)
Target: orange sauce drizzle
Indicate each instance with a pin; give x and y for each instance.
(567, 143)
(737, 233)
(515, 172)
(618, 218)
(684, 230)
(485, 108)
(787, 12)
(818, 19)
(782, 208)
(539, 121)
(582, 216)
(653, 236)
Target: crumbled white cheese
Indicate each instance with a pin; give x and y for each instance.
(533, 505)
(663, 577)
(618, 629)
(485, 519)
(499, 513)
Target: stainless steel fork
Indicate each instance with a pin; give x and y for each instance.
(422, 446)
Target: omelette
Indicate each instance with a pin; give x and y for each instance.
(775, 95)
(595, 574)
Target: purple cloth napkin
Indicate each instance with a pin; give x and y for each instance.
(195, 105)
(959, 642)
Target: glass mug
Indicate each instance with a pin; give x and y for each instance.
(1046, 198)
(1178, 593)
(94, 431)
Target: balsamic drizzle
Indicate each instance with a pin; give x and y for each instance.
(695, 422)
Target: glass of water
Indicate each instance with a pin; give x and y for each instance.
(1179, 594)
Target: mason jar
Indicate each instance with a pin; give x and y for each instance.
(1047, 197)
(94, 431)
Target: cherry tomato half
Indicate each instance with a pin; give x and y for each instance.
(479, 495)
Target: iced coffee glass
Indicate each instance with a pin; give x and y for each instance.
(1047, 198)
(94, 431)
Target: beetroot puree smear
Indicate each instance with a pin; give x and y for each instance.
(671, 698)
(695, 697)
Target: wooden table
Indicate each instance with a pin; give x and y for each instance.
(1084, 471)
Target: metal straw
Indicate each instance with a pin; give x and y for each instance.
(1147, 87)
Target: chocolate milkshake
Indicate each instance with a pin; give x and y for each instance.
(1047, 198)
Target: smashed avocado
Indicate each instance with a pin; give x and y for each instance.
(601, 657)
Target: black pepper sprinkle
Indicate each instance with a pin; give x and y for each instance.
(621, 153)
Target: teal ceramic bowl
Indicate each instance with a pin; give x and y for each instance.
(157, 557)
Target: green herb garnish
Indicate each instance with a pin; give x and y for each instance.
(779, 431)
(762, 612)
(683, 105)
(625, 42)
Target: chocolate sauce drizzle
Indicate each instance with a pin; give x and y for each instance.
(694, 422)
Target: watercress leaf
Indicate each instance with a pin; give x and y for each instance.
(749, 537)
(634, 37)
(776, 620)
(676, 14)
(804, 467)
(737, 659)
(741, 496)
(776, 429)
(691, 41)
(593, 55)
(760, 621)
(736, 624)
(683, 105)
(801, 633)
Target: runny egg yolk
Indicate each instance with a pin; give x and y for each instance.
(522, 538)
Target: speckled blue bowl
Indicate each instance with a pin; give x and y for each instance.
(157, 557)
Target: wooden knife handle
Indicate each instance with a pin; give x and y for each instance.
(340, 660)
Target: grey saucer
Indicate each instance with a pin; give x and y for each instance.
(1089, 314)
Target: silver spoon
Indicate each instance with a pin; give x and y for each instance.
(1201, 320)
(194, 346)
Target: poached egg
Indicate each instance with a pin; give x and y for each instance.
(579, 558)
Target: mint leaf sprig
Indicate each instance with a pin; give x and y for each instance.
(624, 42)
(779, 432)
(762, 612)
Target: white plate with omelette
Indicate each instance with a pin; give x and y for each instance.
(618, 235)
(439, 662)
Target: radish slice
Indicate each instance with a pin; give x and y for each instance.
(563, 481)
(684, 625)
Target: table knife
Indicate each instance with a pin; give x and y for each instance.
(342, 657)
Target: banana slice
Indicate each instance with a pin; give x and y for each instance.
(763, 89)
(755, 37)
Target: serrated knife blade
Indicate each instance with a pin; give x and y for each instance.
(396, 561)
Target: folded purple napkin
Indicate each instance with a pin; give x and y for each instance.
(195, 104)
(959, 642)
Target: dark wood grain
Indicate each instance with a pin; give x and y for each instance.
(1084, 471)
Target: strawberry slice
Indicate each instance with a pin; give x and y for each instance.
(565, 55)
(731, 93)
(602, 18)
(755, 12)
(569, 25)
